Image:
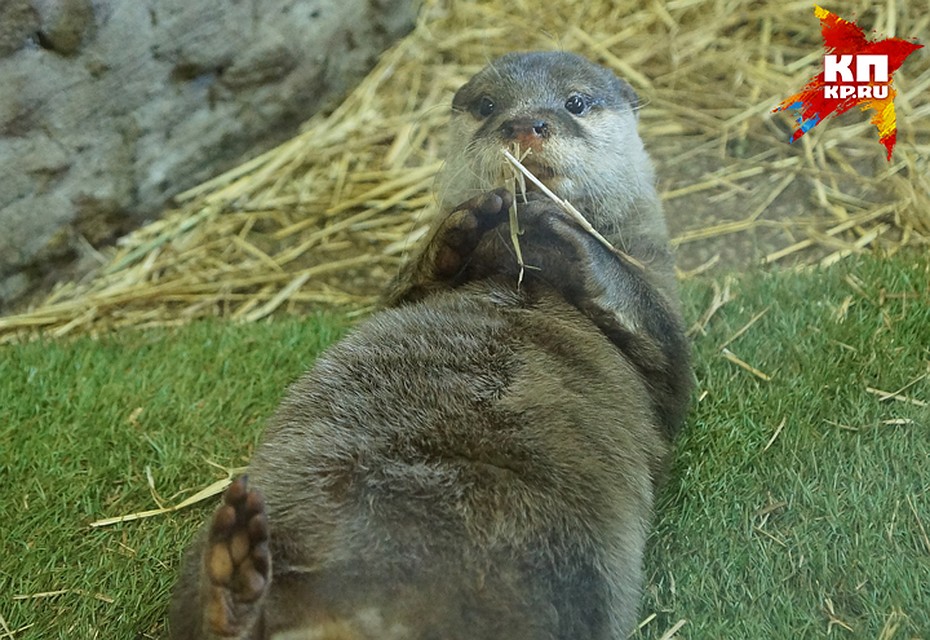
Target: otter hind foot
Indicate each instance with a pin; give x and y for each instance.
(237, 562)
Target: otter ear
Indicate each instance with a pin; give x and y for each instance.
(629, 94)
(459, 100)
(465, 94)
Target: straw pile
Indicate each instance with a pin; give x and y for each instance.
(326, 218)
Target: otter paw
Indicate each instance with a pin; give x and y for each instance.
(237, 561)
(463, 228)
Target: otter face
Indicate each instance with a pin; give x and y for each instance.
(577, 119)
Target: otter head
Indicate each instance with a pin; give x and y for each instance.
(577, 119)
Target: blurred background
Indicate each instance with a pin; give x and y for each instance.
(165, 161)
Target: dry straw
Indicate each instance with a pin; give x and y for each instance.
(326, 218)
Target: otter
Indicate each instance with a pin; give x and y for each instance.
(479, 459)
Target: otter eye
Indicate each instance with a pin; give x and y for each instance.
(576, 104)
(485, 107)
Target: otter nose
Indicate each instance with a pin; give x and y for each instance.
(529, 133)
(528, 128)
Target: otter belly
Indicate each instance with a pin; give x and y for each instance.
(473, 466)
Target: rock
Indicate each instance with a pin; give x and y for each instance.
(64, 24)
(109, 108)
(15, 286)
(18, 24)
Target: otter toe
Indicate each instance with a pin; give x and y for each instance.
(237, 561)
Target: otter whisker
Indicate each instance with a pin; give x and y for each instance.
(572, 211)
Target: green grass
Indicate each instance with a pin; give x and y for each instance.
(751, 542)
(84, 420)
(757, 543)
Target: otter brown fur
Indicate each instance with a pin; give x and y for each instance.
(478, 460)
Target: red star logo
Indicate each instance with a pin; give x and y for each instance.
(847, 88)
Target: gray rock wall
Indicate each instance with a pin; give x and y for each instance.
(110, 107)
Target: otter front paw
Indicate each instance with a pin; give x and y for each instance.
(237, 562)
(460, 233)
(556, 248)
